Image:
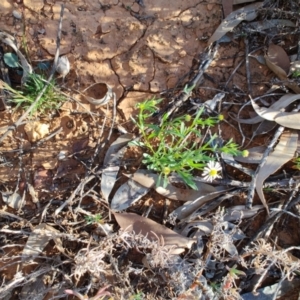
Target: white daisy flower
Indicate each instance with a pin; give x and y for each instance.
(211, 170)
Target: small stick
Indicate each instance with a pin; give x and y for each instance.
(233, 72)
(186, 93)
(246, 41)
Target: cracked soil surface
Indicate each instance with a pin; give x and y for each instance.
(141, 48)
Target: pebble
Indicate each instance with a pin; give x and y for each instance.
(17, 14)
(182, 53)
(63, 66)
(31, 31)
(210, 6)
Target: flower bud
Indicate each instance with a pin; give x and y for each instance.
(188, 118)
(245, 153)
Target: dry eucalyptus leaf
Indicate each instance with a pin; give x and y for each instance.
(200, 228)
(279, 65)
(212, 103)
(38, 240)
(119, 143)
(229, 159)
(239, 212)
(153, 230)
(252, 121)
(264, 127)
(272, 112)
(268, 24)
(288, 119)
(12, 199)
(280, 289)
(235, 2)
(112, 163)
(259, 58)
(144, 177)
(204, 228)
(229, 228)
(148, 179)
(276, 69)
(247, 13)
(227, 7)
(283, 152)
(209, 206)
(10, 41)
(127, 194)
(231, 249)
(278, 57)
(190, 207)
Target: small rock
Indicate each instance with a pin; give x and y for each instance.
(182, 53)
(17, 14)
(63, 66)
(210, 6)
(31, 31)
(62, 155)
(42, 31)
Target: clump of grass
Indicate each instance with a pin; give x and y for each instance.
(50, 100)
(94, 219)
(297, 163)
(296, 74)
(178, 145)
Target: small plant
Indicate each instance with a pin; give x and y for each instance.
(297, 163)
(296, 74)
(229, 287)
(93, 219)
(138, 296)
(178, 145)
(50, 100)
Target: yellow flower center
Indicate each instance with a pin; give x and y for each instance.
(213, 172)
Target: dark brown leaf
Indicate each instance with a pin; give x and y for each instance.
(153, 230)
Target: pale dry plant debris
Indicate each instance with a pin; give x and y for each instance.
(264, 257)
(160, 255)
(90, 261)
(222, 239)
(178, 273)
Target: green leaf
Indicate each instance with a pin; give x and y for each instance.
(11, 60)
(188, 179)
(136, 143)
